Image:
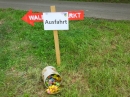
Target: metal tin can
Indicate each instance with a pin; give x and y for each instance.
(48, 72)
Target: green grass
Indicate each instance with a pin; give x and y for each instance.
(95, 58)
(110, 1)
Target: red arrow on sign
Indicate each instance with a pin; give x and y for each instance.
(30, 17)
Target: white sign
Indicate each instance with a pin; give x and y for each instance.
(56, 21)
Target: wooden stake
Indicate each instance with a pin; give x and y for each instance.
(56, 40)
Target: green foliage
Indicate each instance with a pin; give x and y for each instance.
(94, 57)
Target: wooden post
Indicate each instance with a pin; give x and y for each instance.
(56, 40)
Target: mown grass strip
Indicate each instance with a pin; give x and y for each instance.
(94, 53)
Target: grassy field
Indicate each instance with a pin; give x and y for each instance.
(111, 1)
(95, 57)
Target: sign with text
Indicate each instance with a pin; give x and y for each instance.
(56, 21)
(31, 17)
(76, 15)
